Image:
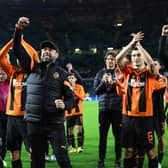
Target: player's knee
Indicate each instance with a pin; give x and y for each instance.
(70, 130)
(161, 144)
(151, 153)
(15, 155)
(128, 153)
(79, 129)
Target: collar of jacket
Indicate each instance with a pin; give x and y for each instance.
(52, 63)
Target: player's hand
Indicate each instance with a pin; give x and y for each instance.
(23, 21)
(109, 78)
(163, 79)
(165, 30)
(59, 104)
(69, 67)
(118, 74)
(137, 37)
(105, 78)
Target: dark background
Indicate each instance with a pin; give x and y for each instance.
(85, 24)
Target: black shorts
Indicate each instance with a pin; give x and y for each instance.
(159, 123)
(74, 120)
(16, 133)
(138, 132)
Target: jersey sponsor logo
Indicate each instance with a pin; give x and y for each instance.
(134, 83)
(137, 83)
(17, 84)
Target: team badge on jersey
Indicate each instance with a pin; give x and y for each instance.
(56, 75)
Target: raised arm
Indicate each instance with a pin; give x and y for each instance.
(18, 49)
(121, 55)
(162, 51)
(70, 68)
(7, 67)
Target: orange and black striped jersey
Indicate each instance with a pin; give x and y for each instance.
(78, 97)
(17, 94)
(139, 86)
(17, 88)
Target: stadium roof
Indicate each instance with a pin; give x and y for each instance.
(116, 9)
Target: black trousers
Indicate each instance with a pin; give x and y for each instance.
(38, 135)
(3, 124)
(105, 120)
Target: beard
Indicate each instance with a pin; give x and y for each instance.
(46, 58)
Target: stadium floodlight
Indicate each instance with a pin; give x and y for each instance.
(77, 51)
(119, 21)
(94, 50)
(110, 48)
(119, 24)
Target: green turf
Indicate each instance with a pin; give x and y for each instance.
(89, 157)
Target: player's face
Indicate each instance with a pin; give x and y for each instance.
(3, 76)
(137, 59)
(48, 54)
(110, 62)
(72, 79)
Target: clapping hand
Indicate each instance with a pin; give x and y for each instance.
(165, 30)
(23, 21)
(137, 37)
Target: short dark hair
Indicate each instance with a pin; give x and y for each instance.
(71, 74)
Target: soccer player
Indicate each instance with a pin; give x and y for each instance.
(75, 116)
(48, 96)
(70, 69)
(159, 119)
(139, 82)
(110, 108)
(16, 126)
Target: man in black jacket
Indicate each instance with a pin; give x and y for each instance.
(48, 96)
(110, 108)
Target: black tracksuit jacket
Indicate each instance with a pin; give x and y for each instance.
(44, 86)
